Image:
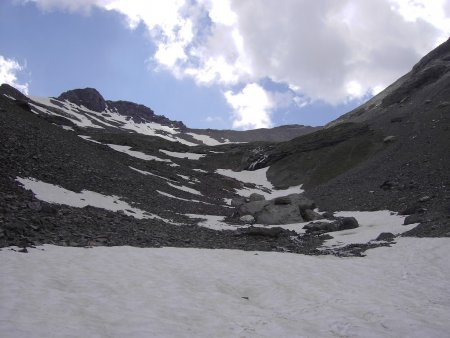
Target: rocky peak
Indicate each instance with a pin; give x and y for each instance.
(6, 89)
(140, 113)
(88, 97)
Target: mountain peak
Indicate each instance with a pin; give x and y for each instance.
(88, 97)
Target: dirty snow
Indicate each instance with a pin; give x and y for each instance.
(53, 291)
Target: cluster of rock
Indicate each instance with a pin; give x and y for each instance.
(294, 208)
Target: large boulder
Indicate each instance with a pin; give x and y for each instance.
(256, 197)
(248, 219)
(310, 215)
(251, 208)
(279, 214)
(238, 201)
(343, 223)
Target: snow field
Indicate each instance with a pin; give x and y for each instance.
(52, 291)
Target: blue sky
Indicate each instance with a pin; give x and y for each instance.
(223, 63)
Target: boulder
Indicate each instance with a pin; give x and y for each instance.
(251, 208)
(310, 215)
(248, 219)
(411, 219)
(389, 139)
(300, 200)
(343, 223)
(279, 214)
(385, 236)
(238, 201)
(256, 197)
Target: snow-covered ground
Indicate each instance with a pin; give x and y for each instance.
(402, 291)
(259, 178)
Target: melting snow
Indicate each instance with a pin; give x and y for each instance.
(371, 224)
(213, 222)
(186, 189)
(258, 177)
(53, 291)
(127, 150)
(88, 138)
(189, 156)
(55, 194)
(143, 172)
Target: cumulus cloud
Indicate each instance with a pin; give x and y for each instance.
(9, 69)
(251, 107)
(328, 50)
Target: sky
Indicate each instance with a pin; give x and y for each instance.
(223, 64)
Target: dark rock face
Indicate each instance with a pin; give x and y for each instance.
(411, 219)
(343, 223)
(88, 97)
(13, 92)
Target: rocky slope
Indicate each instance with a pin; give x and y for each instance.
(160, 177)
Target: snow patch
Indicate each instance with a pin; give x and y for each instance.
(189, 156)
(55, 194)
(259, 178)
(186, 189)
(371, 224)
(127, 150)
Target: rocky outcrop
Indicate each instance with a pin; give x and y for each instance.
(294, 208)
(343, 223)
(88, 97)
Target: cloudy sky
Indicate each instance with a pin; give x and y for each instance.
(238, 64)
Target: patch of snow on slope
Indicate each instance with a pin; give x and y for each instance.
(67, 128)
(88, 138)
(186, 189)
(371, 224)
(143, 172)
(213, 222)
(55, 194)
(189, 156)
(54, 291)
(181, 199)
(79, 119)
(146, 128)
(258, 177)
(137, 154)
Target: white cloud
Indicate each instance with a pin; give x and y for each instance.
(251, 107)
(326, 50)
(9, 69)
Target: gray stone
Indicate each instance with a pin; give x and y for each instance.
(389, 139)
(302, 202)
(411, 219)
(279, 214)
(251, 208)
(249, 219)
(237, 201)
(256, 197)
(310, 215)
(385, 236)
